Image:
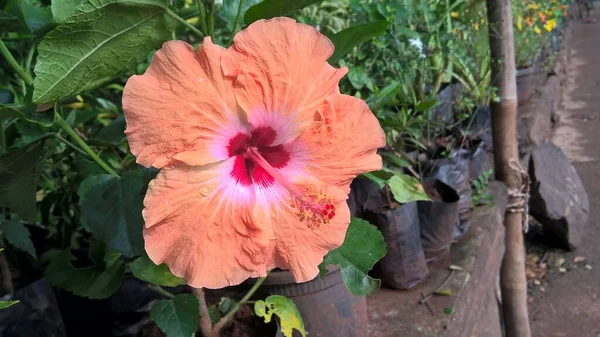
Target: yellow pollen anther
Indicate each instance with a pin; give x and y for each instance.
(313, 208)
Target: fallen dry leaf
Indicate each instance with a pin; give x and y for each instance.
(578, 259)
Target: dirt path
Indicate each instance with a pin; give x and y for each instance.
(570, 303)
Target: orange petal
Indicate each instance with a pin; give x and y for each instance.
(343, 142)
(282, 71)
(180, 106)
(300, 244)
(199, 222)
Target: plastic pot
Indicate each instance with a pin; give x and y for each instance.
(443, 112)
(404, 265)
(37, 314)
(455, 172)
(437, 220)
(526, 84)
(327, 307)
(481, 161)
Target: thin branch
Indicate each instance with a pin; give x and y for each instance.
(185, 23)
(14, 64)
(235, 22)
(223, 321)
(63, 124)
(205, 322)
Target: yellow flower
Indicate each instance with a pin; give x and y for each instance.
(550, 25)
(476, 26)
(537, 30)
(529, 21)
(520, 22)
(454, 15)
(532, 6)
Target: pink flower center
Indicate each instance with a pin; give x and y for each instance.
(257, 162)
(245, 169)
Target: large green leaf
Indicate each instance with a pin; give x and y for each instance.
(17, 235)
(27, 113)
(362, 247)
(96, 282)
(113, 209)
(177, 317)
(62, 9)
(18, 174)
(102, 40)
(285, 309)
(351, 37)
(6, 304)
(406, 188)
(271, 8)
(144, 269)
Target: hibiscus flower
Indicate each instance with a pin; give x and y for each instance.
(256, 148)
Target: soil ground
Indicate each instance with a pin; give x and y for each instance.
(565, 297)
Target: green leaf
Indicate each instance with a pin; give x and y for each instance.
(285, 309)
(6, 304)
(113, 208)
(34, 17)
(351, 37)
(230, 8)
(226, 304)
(177, 317)
(358, 77)
(144, 269)
(448, 311)
(379, 177)
(27, 113)
(62, 9)
(113, 134)
(17, 235)
(95, 282)
(426, 105)
(18, 174)
(10, 22)
(362, 247)
(268, 9)
(102, 40)
(393, 159)
(408, 32)
(406, 188)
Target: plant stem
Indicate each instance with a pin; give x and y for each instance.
(185, 23)
(69, 144)
(235, 22)
(29, 59)
(159, 290)
(210, 19)
(202, 13)
(205, 321)
(219, 326)
(14, 64)
(63, 124)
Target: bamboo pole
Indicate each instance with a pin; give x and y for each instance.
(513, 282)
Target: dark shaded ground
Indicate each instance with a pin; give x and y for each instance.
(567, 300)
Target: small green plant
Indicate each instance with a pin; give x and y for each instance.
(480, 195)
